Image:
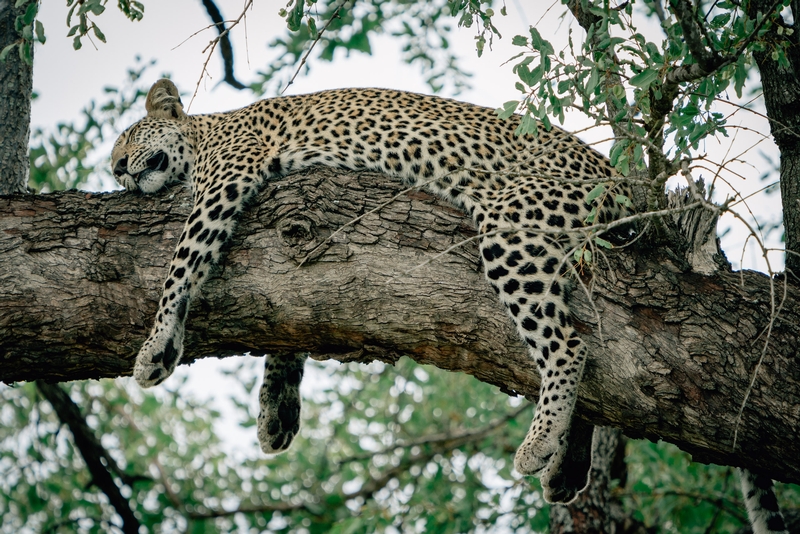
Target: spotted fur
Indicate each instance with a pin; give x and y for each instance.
(762, 506)
(527, 196)
(279, 399)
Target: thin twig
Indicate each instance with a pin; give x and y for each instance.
(314, 43)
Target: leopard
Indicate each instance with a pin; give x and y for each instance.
(533, 198)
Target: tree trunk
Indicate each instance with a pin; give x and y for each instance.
(781, 86)
(16, 86)
(81, 275)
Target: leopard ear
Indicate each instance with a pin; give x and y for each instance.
(164, 101)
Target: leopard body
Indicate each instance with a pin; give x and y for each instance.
(529, 197)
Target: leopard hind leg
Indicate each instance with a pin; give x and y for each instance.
(762, 506)
(526, 270)
(279, 401)
(560, 372)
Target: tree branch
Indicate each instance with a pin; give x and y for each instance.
(92, 452)
(225, 46)
(81, 275)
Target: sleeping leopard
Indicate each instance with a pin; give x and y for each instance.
(530, 198)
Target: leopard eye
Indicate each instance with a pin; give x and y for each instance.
(121, 167)
(158, 161)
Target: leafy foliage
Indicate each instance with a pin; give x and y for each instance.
(381, 449)
(420, 27)
(666, 488)
(617, 74)
(83, 10)
(30, 30)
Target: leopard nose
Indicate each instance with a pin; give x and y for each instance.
(121, 167)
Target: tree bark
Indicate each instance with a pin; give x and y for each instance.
(672, 352)
(16, 86)
(781, 86)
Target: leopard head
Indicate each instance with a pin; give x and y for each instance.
(158, 150)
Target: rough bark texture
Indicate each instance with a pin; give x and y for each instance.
(16, 86)
(81, 275)
(781, 86)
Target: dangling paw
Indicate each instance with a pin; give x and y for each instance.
(158, 356)
(279, 400)
(540, 444)
(567, 473)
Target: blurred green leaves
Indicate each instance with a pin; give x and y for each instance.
(409, 448)
(382, 449)
(421, 28)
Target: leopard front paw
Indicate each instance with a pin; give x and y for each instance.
(279, 400)
(533, 455)
(541, 443)
(157, 358)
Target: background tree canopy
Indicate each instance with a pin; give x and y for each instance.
(411, 448)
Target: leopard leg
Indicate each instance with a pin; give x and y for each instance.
(762, 506)
(557, 394)
(279, 401)
(567, 472)
(526, 270)
(206, 232)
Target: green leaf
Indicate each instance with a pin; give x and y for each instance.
(76, 42)
(598, 190)
(507, 110)
(40, 32)
(739, 75)
(519, 40)
(98, 33)
(645, 78)
(624, 200)
(624, 165)
(30, 13)
(720, 20)
(295, 18)
(536, 39)
(528, 125)
(25, 52)
(602, 243)
(594, 79)
(7, 50)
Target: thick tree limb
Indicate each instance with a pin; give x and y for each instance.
(80, 275)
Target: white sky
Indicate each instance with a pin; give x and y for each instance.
(66, 80)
